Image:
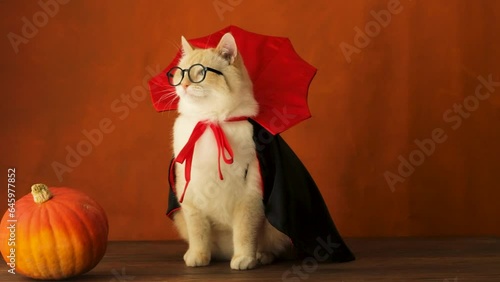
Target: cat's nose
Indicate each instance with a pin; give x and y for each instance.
(184, 85)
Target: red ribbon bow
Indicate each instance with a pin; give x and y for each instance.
(223, 146)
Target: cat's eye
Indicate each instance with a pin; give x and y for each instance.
(196, 74)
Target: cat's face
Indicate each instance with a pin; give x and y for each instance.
(220, 89)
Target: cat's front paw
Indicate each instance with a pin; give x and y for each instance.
(196, 258)
(265, 257)
(243, 262)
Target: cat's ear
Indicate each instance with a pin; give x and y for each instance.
(186, 47)
(227, 47)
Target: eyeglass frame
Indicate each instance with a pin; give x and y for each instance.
(170, 73)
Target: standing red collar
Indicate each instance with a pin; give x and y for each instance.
(223, 147)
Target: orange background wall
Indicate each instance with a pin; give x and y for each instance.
(71, 74)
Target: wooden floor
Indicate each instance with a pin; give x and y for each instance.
(396, 259)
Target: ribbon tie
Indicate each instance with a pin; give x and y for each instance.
(223, 149)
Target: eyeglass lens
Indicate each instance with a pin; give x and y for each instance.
(196, 74)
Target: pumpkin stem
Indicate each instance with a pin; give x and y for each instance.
(40, 193)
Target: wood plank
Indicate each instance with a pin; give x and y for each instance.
(387, 259)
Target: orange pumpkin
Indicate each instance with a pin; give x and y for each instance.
(53, 234)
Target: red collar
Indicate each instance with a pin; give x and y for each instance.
(223, 147)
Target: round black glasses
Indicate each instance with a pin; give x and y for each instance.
(196, 74)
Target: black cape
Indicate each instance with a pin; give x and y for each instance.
(293, 203)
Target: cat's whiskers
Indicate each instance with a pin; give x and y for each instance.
(167, 91)
(171, 102)
(167, 96)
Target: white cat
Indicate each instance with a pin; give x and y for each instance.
(220, 218)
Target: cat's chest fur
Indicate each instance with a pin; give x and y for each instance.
(206, 190)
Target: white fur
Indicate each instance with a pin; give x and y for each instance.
(222, 219)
